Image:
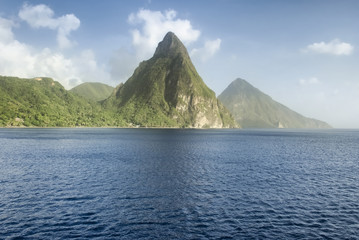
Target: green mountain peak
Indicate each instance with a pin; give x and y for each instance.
(167, 91)
(241, 83)
(170, 46)
(252, 108)
(242, 86)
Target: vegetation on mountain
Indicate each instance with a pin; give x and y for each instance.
(167, 91)
(93, 91)
(43, 102)
(164, 91)
(252, 108)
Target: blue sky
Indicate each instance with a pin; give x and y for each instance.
(304, 54)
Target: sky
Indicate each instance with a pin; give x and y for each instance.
(304, 54)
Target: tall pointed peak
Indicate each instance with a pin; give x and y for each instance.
(240, 83)
(170, 46)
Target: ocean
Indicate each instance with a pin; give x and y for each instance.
(104, 183)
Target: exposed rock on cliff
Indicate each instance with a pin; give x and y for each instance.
(167, 91)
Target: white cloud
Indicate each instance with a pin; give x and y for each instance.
(309, 81)
(22, 60)
(149, 28)
(153, 27)
(334, 47)
(41, 16)
(38, 16)
(210, 48)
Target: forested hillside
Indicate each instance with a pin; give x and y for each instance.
(44, 102)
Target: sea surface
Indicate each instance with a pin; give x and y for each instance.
(179, 184)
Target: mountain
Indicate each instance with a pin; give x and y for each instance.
(167, 91)
(93, 91)
(43, 102)
(252, 108)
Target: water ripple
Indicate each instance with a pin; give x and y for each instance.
(178, 184)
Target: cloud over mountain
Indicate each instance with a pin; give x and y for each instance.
(153, 25)
(20, 59)
(148, 28)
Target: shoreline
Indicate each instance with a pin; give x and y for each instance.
(179, 128)
(114, 127)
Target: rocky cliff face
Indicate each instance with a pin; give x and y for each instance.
(167, 91)
(253, 109)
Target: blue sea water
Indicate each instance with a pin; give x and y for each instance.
(179, 184)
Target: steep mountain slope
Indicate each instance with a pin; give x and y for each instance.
(43, 102)
(252, 108)
(167, 91)
(93, 91)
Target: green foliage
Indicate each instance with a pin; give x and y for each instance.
(42, 102)
(167, 91)
(93, 91)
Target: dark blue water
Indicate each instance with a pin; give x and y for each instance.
(178, 184)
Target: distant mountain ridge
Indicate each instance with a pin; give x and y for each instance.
(94, 91)
(167, 91)
(252, 108)
(164, 91)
